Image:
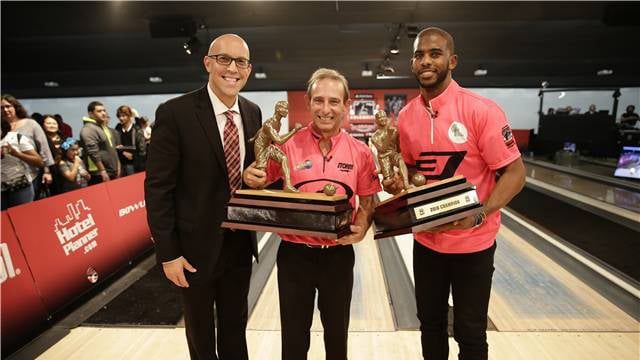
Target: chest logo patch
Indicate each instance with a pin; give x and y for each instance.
(344, 167)
(458, 133)
(307, 164)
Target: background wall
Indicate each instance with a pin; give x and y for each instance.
(73, 109)
(520, 105)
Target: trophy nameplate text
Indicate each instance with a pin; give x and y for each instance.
(426, 206)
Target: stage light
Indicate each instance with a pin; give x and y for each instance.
(480, 71)
(192, 45)
(366, 72)
(260, 74)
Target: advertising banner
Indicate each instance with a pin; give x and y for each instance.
(127, 201)
(71, 241)
(22, 307)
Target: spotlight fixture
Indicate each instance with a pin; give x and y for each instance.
(386, 67)
(604, 72)
(260, 74)
(480, 71)
(544, 84)
(191, 45)
(394, 49)
(366, 72)
(51, 84)
(391, 77)
(155, 79)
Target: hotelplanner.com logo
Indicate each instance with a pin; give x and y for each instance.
(7, 271)
(77, 229)
(131, 208)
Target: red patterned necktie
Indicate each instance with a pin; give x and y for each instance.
(232, 151)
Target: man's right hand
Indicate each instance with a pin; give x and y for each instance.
(174, 271)
(255, 178)
(393, 185)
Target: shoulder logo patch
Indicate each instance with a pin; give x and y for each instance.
(507, 136)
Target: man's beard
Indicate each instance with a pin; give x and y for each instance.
(440, 78)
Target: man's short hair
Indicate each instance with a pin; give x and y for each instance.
(439, 31)
(324, 73)
(92, 105)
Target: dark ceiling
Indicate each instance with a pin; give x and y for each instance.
(107, 48)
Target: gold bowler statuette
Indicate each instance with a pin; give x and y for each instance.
(264, 139)
(385, 139)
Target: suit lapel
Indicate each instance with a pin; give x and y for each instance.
(249, 128)
(207, 119)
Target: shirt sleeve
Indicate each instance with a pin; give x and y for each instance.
(64, 167)
(368, 181)
(495, 139)
(91, 140)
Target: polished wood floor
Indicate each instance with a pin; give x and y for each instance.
(540, 310)
(618, 200)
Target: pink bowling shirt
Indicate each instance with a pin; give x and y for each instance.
(462, 134)
(349, 166)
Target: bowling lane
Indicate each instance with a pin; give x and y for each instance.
(618, 200)
(370, 305)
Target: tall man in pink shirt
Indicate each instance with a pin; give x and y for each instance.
(319, 154)
(447, 131)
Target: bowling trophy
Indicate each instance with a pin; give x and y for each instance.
(286, 211)
(418, 207)
(423, 207)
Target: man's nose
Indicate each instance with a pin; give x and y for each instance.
(326, 107)
(232, 66)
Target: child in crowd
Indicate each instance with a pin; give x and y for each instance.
(74, 174)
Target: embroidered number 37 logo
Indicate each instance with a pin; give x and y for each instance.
(430, 161)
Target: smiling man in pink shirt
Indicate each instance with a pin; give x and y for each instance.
(448, 131)
(319, 154)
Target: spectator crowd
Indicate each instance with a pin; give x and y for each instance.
(41, 158)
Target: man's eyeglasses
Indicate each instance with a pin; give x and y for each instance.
(225, 60)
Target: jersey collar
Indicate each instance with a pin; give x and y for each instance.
(444, 97)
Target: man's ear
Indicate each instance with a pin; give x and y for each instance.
(453, 61)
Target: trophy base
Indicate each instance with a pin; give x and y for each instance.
(427, 206)
(307, 214)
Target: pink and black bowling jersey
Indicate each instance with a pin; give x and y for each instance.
(463, 134)
(349, 166)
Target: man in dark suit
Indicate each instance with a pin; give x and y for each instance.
(194, 163)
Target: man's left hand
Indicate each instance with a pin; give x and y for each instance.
(357, 234)
(47, 178)
(460, 224)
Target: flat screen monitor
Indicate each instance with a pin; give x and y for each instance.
(569, 146)
(629, 163)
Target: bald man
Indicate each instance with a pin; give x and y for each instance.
(195, 162)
